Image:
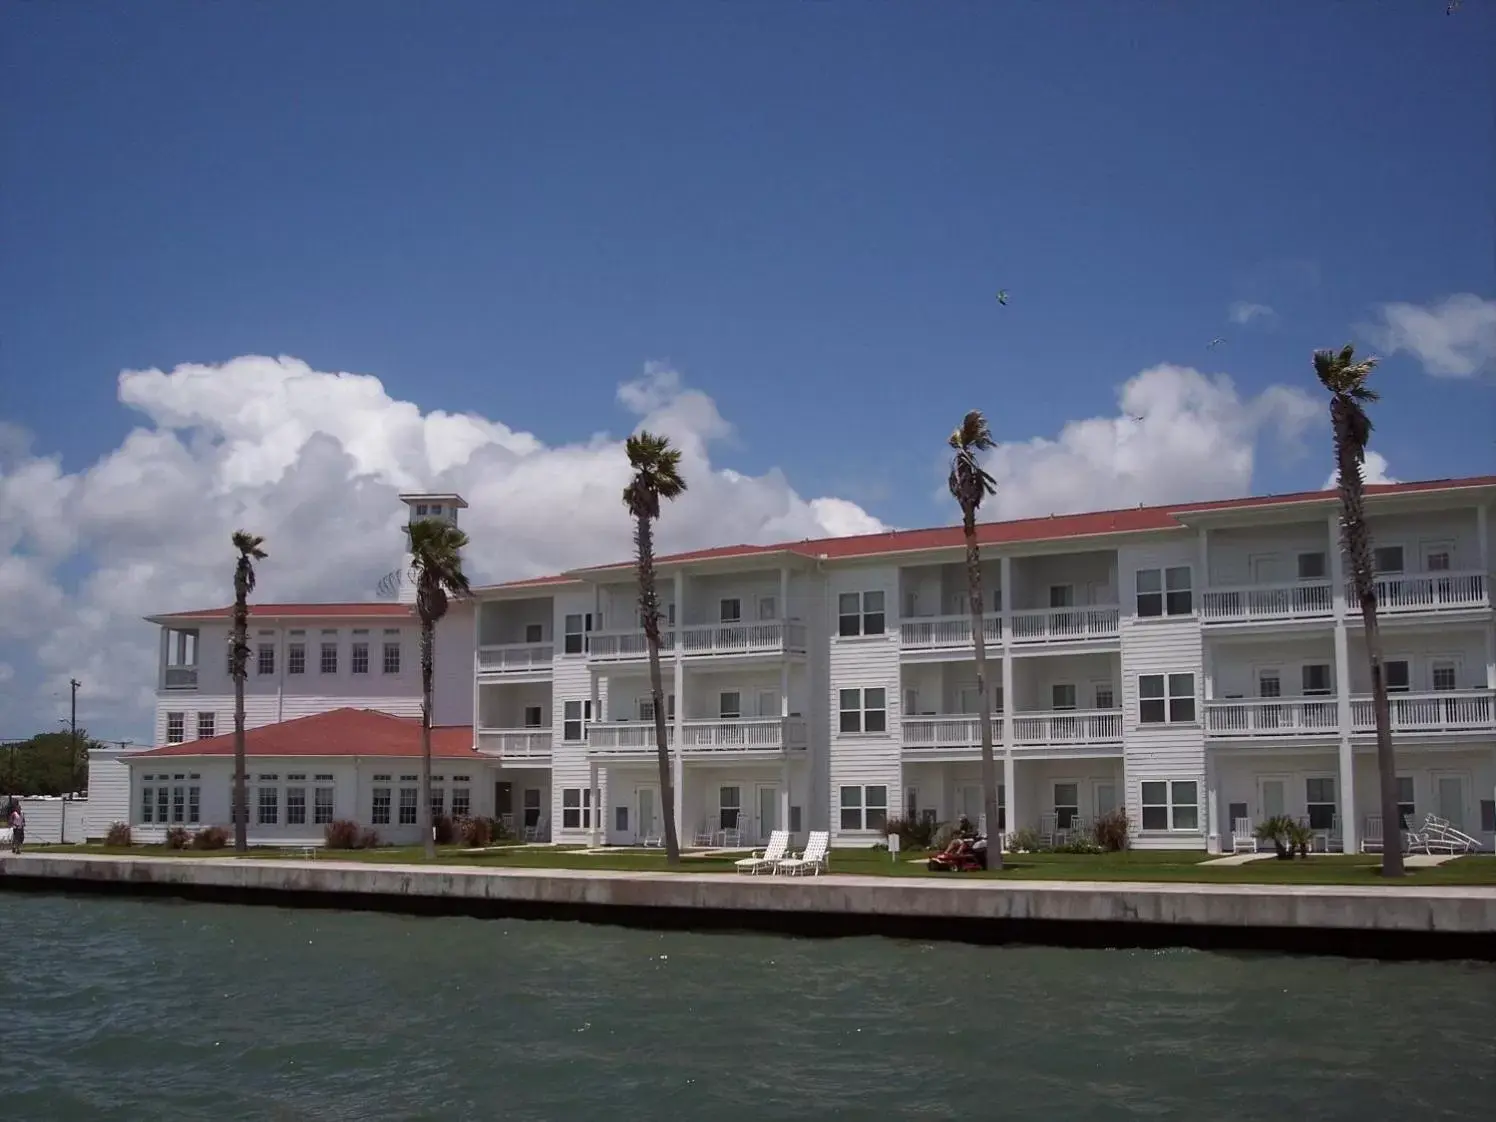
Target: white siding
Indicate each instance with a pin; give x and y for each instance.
(1265, 554)
(1092, 575)
(1235, 667)
(108, 790)
(51, 820)
(1464, 646)
(571, 681)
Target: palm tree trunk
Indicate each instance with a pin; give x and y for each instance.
(649, 610)
(423, 809)
(1392, 856)
(984, 703)
(241, 644)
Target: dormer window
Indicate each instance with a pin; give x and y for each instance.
(420, 510)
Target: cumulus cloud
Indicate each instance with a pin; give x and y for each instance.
(1453, 338)
(1178, 435)
(314, 461)
(1244, 312)
(1373, 470)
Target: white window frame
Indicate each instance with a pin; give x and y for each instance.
(267, 809)
(1054, 695)
(410, 801)
(265, 658)
(1407, 664)
(176, 728)
(1324, 565)
(576, 808)
(324, 800)
(646, 707)
(1261, 674)
(1171, 804)
(358, 653)
(382, 801)
(1167, 587)
(1173, 694)
(208, 729)
(1333, 804)
(876, 714)
(1055, 804)
(296, 653)
(575, 627)
(1402, 560)
(730, 609)
(391, 647)
(538, 722)
(868, 619)
(1305, 690)
(583, 708)
(534, 633)
(1452, 663)
(327, 653)
(1102, 691)
(863, 807)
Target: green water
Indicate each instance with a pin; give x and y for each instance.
(155, 1010)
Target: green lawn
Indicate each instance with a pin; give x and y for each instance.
(1128, 866)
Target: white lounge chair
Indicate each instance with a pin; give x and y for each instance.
(1439, 835)
(766, 859)
(1371, 835)
(813, 862)
(1243, 838)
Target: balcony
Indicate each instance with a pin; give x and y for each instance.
(521, 743)
(1064, 625)
(1426, 592)
(514, 658)
(1267, 718)
(1443, 711)
(1249, 603)
(1068, 728)
(181, 678)
(700, 737)
(712, 640)
(936, 633)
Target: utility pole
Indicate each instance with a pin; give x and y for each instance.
(73, 739)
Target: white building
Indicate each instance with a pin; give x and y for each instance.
(1192, 664)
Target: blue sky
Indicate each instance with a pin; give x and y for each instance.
(804, 208)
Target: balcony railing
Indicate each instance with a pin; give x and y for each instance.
(1063, 625)
(1299, 600)
(746, 734)
(933, 633)
(1427, 592)
(181, 677)
(702, 640)
(1441, 711)
(515, 658)
(1273, 716)
(511, 742)
(1099, 726)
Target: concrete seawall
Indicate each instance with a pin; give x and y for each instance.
(1393, 921)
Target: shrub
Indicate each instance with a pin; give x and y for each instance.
(177, 838)
(118, 835)
(341, 834)
(1078, 844)
(476, 832)
(1025, 840)
(444, 829)
(210, 837)
(368, 839)
(914, 833)
(1112, 831)
(1287, 836)
(499, 832)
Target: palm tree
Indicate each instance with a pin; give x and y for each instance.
(1345, 377)
(970, 484)
(248, 546)
(436, 547)
(656, 476)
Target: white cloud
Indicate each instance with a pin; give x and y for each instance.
(1179, 435)
(1454, 338)
(1244, 311)
(313, 461)
(1373, 470)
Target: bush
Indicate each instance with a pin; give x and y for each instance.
(444, 829)
(118, 835)
(210, 837)
(499, 832)
(476, 832)
(341, 834)
(1078, 844)
(1287, 836)
(368, 839)
(914, 833)
(1112, 831)
(1026, 840)
(178, 838)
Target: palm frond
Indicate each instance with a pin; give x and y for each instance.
(969, 482)
(436, 565)
(656, 474)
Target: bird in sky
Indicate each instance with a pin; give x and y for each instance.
(1214, 343)
(1002, 297)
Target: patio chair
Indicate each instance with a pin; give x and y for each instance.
(1243, 837)
(705, 836)
(768, 858)
(1371, 834)
(814, 861)
(1416, 841)
(1439, 835)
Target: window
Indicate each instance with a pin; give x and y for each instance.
(1062, 695)
(911, 804)
(1166, 699)
(438, 799)
(194, 802)
(265, 660)
(176, 728)
(730, 705)
(1443, 675)
(1387, 559)
(768, 609)
(576, 808)
(1315, 679)
(794, 819)
(1172, 804)
(531, 808)
(296, 658)
(1062, 596)
(1106, 697)
(179, 803)
(731, 610)
(577, 716)
(864, 808)
(1319, 799)
(1165, 591)
(295, 806)
(534, 633)
(1437, 561)
(391, 654)
(997, 699)
(647, 708)
(1311, 566)
(329, 659)
(322, 805)
(864, 710)
(1269, 683)
(206, 725)
(381, 815)
(729, 807)
(408, 796)
(359, 654)
(1066, 804)
(421, 510)
(860, 613)
(1488, 815)
(1395, 672)
(268, 803)
(1405, 801)
(575, 637)
(436, 510)
(462, 802)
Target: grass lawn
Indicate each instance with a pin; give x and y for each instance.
(1152, 866)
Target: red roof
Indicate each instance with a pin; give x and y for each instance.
(338, 732)
(366, 610)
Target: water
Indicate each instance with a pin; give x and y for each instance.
(145, 1010)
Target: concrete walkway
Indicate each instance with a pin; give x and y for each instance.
(1236, 859)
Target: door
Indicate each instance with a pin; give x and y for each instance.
(1449, 797)
(1267, 568)
(969, 799)
(647, 828)
(503, 803)
(768, 811)
(768, 703)
(1272, 797)
(1106, 798)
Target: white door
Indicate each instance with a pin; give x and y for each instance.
(768, 812)
(1106, 798)
(1449, 796)
(648, 826)
(768, 703)
(1272, 797)
(1267, 568)
(970, 801)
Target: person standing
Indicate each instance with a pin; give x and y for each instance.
(17, 828)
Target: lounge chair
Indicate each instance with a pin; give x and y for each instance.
(765, 860)
(1440, 835)
(1243, 838)
(814, 861)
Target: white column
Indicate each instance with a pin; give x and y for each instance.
(784, 796)
(597, 808)
(1483, 543)
(1350, 826)
(1491, 656)
(1203, 581)
(1212, 804)
(1010, 788)
(678, 765)
(1010, 797)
